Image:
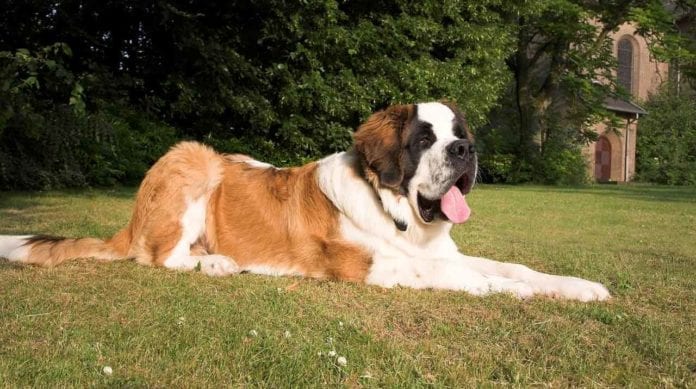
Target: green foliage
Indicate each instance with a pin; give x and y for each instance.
(289, 82)
(666, 142)
(498, 168)
(49, 138)
(556, 159)
(561, 163)
(67, 149)
(563, 48)
(284, 82)
(315, 70)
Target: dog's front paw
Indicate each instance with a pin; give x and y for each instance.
(578, 289)
(218, 265)
(519, 289)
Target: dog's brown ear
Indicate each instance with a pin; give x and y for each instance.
(379, 142)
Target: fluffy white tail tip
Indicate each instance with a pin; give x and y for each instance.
(12, 247)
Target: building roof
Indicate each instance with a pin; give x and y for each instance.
(623, 106)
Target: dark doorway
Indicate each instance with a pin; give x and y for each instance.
(603, 159)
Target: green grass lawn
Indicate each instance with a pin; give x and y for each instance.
(154, 327)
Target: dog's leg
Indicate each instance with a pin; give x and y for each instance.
(441, 273)
(178, 255)
(546, 284)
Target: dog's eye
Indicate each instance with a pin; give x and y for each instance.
(424, 141)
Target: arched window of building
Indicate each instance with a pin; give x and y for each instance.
(624, 73)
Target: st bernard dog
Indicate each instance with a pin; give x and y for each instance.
(379, 214)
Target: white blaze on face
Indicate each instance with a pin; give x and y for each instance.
(433, 171)
(440, 117)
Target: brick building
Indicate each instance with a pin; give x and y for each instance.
(613, 156)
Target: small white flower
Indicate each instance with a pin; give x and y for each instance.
(340, 324)
(108, 370)
(253, 333)
(287, 334)
(341, 361)
(332, 353)
(181, 320)
(280, 290)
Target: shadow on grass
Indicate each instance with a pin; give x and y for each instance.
(6, 265)
(683, 194)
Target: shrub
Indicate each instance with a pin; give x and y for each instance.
(666, 142)
(559, 160)
(281, 81)
(562, 165)
(65, 149)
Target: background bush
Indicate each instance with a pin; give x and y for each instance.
(65, 149)
(666, 142)
(92, 92)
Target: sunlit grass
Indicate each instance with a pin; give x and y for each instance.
(153, 327)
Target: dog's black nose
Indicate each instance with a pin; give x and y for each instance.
(460, 149)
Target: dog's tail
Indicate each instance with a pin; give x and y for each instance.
(45, 250)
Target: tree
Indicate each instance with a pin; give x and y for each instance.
(685, 67)
(282, 81)
(666, 147)
(563, 71)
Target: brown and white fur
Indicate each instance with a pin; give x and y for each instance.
(367, 215)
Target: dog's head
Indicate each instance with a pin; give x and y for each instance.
(424, 152)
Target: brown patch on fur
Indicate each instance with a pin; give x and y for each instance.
(281, 219)
(187, 172)
(257, 216)
(51, 251)
(380, 143)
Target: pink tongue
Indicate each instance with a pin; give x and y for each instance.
(454, 206)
